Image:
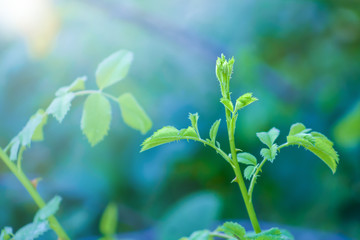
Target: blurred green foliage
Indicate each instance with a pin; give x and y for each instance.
(300, 58)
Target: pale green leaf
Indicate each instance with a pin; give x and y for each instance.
(48, 210)
(6, 233)
(32, 230)
(244, 100)
(38, 133)
(194, 117)
(14, 148)
(201, 235)
(213, 131)
(168, 134)
(316, 142)
(249, 171)
(227, 103)
(232, 229)
(108, 220)
(60, 106)
(113, 69)
(78, 84)
(133, 114)
(270, 234)
(268, 138)
(27, 132)
(269, 153)
(96, 118)
(246, 158)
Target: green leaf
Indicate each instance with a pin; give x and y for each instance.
(269, 137)
(6, 233)
(269, 153)
(168, 134)
(14, 148)
(38, 133)
(227, 103)
(201, 235)
(246, 158)
(194, 122)
(113, 69)
(133, 114)
(32, 230)
(28, 131)
(316, 142)
(77, 85)
(244, 100)
(270, 234)
(232, 229)
(48, 210)
(213, 131)
(96, 118)
(108, 220)
(60, 106)
(249, 171)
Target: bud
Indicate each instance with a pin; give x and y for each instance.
(223, 71)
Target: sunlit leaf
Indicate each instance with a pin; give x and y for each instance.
(244, 100)
(269, 137)
(194, 117)
(96, 118)
(246, 158)
(201, 235)
(78, 84)
(27, 132)
(133, 114)
(227, 103)
(14, 149)
(213, 131)
(38, 133)
(6, 233)
(32, 230)
(232, 229)
(60, 106)
(113, 69)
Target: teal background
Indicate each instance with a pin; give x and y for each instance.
(300, 58)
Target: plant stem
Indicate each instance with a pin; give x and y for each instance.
(239, 178)
(253, 180)
(54, 224)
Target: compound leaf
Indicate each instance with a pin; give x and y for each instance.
(268, 138)
(213, 131)
(48, 210)
(246, 158)
(133, 114)
(316, 142)
(113, 69)
(232, 229)
(244, 100)
(78, 84)
(108, 220)
(96, 118)
(60, 106)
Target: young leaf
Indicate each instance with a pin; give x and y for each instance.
(316, 142)
(227, 103)
(194, 117)
(232, 229)
(96, 118)
(213, 131)
(108, 220)
(249, 171)
(244, 100)
(38, 133)
(268, 138)
(201, 235)
(6, 233)
(269, 153)
(32, 230)
(246, 158)
(133, 114)
(168, 134)
(270, 234)
(60, 106)
(113, 69)
(27, 132)
(48, 210)
(14, 148)
(78, 84)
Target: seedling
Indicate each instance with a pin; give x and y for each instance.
(299, 135)
(95, 124)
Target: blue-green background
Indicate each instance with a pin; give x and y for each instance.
(300, 58)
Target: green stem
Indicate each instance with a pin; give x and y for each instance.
(54, 224)
(88, 92)
(253, 180)
(239, 178)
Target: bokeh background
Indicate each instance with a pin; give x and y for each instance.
(300, 58)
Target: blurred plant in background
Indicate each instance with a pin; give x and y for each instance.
(306, 52)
